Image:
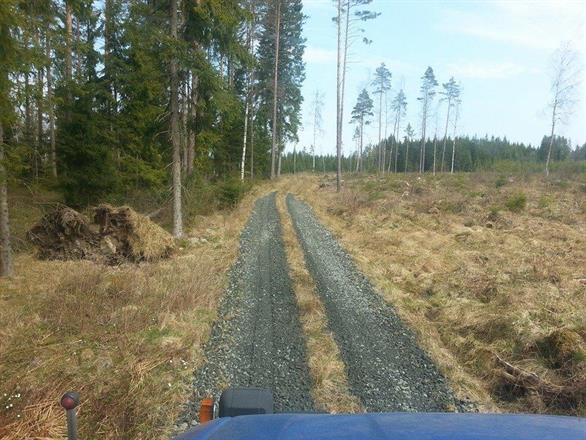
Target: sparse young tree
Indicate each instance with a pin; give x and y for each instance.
(427, 89)
(399, 107)
(450, 95)
(316, 117)
(381, 84)
(361, 115)
(566, 73)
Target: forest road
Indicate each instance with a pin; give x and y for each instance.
(257, 339)
(386, 368)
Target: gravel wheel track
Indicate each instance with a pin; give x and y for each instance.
(386, 368)
(257, 339)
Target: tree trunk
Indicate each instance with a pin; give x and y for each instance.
(275, 88)
(343, 84)
(252, 144)
(5, 249)
(192, 118)
(384, 162)
(68, 38)
(380, 126)
(423, 134)
(397, 142)
(183, 135)
(446, 135)
(294, 160)
(359, 164)
(68, 55)
(50, 109)
(248, 96)
(243, 160)
(454, 141)
(77, 50)
(434, 152)
(339, 99)
(407, 142)
(279, 164)
(39, 98)
(175, 142)
(551, 137)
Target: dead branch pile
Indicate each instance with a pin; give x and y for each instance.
(116, 235)
(568, 393)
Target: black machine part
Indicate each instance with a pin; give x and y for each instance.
(240, 401)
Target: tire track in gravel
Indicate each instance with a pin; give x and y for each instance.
(257, 339)
(386, 368)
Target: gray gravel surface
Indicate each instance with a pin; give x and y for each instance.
(257, 339)
(386, 368)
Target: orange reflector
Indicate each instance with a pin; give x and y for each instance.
(206, 410)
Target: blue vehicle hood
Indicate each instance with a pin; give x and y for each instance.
(393, 426)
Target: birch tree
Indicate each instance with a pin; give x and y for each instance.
(427, 89)
(565, 79)
(249, 82)
(316, 116)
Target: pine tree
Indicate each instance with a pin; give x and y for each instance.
(280, 100)
(381, 84)
(427, 89)
(399, 107)
(451, 94)
(361, 114)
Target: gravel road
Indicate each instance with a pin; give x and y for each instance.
(257, 339)
(386, 368)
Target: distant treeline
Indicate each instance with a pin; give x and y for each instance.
(471, 154)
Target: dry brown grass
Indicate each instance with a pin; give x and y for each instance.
(127, 337)
(330, 381)
(471, 276)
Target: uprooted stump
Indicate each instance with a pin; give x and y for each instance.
(116, 235)
(64, 234)
(130, 235)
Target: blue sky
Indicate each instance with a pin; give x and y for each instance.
(498, 50)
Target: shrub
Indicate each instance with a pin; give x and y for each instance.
(500, 181)
(517, 202)
(230, 192)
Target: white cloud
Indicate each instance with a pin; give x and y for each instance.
(538, 24)
(484, 70)
(319, 55)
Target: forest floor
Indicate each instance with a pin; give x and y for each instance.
(488, 270)
(459, 286)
